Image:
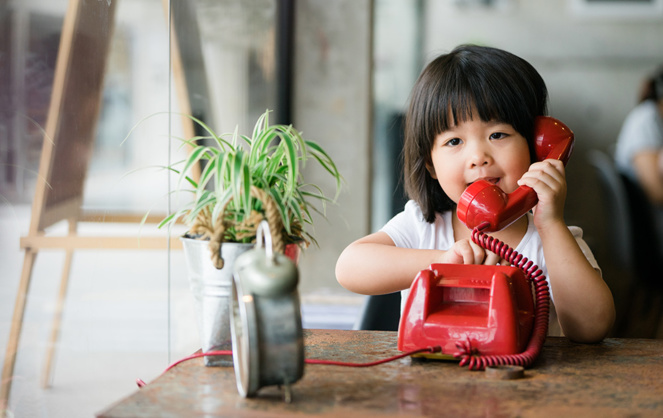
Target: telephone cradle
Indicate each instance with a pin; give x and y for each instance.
(484, 315)
(448, 303)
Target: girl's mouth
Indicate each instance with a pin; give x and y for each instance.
(492, 180)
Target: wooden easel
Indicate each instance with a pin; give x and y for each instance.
(77, 90)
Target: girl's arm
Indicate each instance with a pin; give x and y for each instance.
(583, 301)
(373, 265)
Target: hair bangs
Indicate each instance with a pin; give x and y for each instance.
(462, 96)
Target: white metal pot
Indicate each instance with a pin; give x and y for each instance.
(211, 289)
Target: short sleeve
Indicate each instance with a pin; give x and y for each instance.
(577, 234)
(406, 228)
(642, 131)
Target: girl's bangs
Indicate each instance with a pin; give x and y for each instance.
(458, 104)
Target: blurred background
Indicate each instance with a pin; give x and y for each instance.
(340, 71)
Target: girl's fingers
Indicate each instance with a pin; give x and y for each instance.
(492, 259)
(466, 252)
(545, 176)
(478, 254)
(548, 169)
(548, 179)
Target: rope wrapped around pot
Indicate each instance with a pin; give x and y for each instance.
(247, 228)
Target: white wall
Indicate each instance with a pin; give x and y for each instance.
(332, 102)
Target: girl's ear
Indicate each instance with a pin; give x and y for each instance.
(431, 170)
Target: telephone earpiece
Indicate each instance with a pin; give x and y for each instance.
(485, 203)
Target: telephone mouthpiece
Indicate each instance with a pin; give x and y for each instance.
(485, 203)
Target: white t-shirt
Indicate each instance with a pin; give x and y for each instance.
(409, 229)
(642, 130)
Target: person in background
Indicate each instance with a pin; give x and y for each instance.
(639, 150)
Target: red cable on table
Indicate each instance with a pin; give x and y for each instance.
(435, 349)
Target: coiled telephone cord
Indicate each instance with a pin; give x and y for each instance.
(471, 356)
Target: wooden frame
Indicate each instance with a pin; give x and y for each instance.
(77, 89)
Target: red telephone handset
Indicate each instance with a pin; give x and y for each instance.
(485, 202)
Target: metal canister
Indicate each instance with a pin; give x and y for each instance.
(266, 323)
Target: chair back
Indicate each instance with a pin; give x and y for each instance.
(647, 255)
(634, 251)
(380, 313)
(615, 201)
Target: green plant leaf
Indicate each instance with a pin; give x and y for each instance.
(326, 162)
(271, 159)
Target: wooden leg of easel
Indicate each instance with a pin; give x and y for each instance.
(57, 320)
(16, 326)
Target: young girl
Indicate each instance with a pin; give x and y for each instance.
(471, 117)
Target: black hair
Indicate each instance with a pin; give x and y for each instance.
(499, 85)
(653, 88)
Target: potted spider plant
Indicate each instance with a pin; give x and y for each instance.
(242, 181)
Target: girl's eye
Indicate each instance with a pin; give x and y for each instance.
(453, 142)
(498, 135)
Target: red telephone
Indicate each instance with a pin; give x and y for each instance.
(486, 312)
(484, 202)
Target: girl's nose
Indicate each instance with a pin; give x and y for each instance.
(479, 157)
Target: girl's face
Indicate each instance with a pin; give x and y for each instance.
(474, 150)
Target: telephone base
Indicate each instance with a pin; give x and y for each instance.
(490, 307)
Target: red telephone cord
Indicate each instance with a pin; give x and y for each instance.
(469, 355)
(434, 349)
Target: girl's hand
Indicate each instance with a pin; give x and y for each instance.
(467, 252)
(548, 179)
